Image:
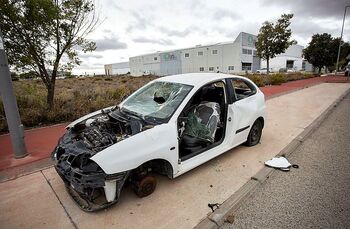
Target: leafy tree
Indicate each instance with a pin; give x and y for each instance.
(38, 34)
(322, 51)
(274, 39)
(344, 52)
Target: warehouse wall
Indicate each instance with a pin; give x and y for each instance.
(170, 63)
(293, 53)
(231, 57)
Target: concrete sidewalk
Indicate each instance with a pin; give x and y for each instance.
(41, 141)
(40, 200)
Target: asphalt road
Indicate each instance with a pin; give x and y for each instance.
(317, 195)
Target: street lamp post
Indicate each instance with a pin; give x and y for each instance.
(341, 37)
(10, 106)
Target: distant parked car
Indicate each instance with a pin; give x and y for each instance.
(169, 126)
(291, 70)
(263, 71)
(347, 70)
(281, 70)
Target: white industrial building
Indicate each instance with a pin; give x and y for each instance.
(228, 57)
(238, 56)
(291, 59)
(117, 68)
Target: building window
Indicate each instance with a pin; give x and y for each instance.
(187, 55)
(254, 53)
(155, 58)
(201, 69)
(230, 68)
(246, 66)
(211, 69)
(200, 53)
(247, 51)
(290, 64)
(215, 52)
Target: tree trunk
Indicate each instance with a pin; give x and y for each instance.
(268, 65)
(319, 70)
(51, 88)
(50, 96)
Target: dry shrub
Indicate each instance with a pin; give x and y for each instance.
(277, 79)
(259, 80)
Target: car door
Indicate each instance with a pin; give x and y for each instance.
(188, 162)
(241, 111)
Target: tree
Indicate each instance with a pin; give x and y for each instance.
(344, 52)
(274, 39)
(38, 34)
(322, 51)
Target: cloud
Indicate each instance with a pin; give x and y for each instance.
(313, 8)
(220, 14)
(153, 41)
(182, 33)
(90, 55)
(112, 3)
(141, 22)
(109, 43)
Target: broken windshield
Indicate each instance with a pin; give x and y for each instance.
(157, 100)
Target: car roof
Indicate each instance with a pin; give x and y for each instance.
(196, 79)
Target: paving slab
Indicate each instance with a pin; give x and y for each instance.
(29, 202)
(182, 202)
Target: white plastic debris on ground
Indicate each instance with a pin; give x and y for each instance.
(279, 163)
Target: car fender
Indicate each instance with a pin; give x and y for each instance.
(160, 142)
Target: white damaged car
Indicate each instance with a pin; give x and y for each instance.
(169, 126)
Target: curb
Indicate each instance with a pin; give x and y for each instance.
(219, 216)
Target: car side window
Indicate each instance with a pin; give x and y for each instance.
(242, 89)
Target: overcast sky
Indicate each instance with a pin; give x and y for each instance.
(134, 27)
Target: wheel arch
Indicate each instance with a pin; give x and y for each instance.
(261, 119)
(158, 165)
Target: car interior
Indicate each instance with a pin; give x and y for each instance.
(201, 123)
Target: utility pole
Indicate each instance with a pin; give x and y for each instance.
(341, 37)
(10, 105)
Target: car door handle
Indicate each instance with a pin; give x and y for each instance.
(229, 119)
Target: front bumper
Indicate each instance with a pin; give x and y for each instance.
(91, 191)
